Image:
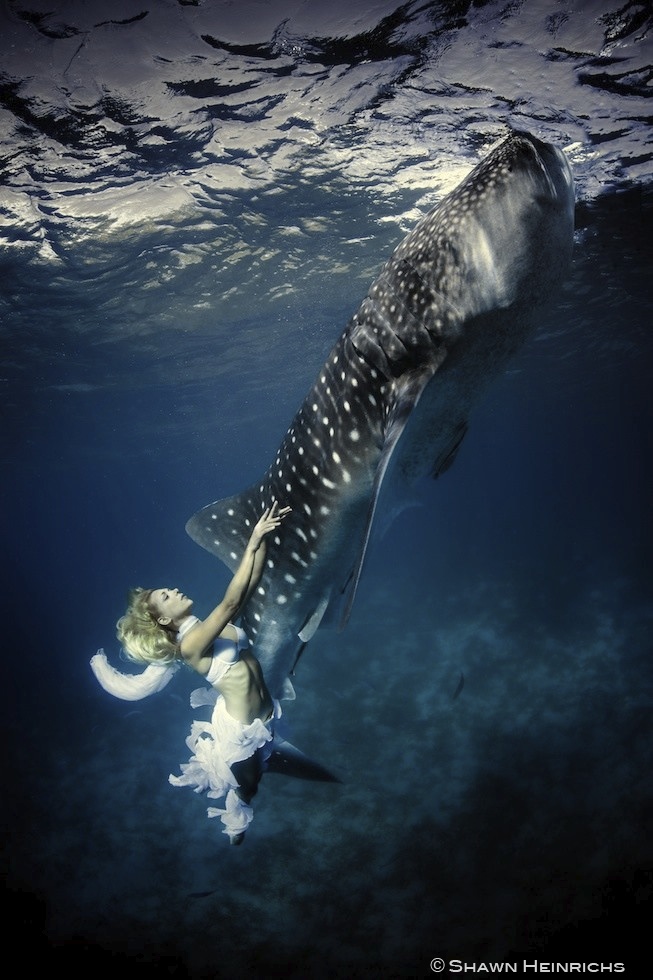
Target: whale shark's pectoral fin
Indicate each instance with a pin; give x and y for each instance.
(306, 633)
(312, 623)
(287, 760)
(287, 690)
(408, 391)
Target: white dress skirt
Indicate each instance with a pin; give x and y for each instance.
(215, 746)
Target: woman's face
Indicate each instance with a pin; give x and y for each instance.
(170, 605)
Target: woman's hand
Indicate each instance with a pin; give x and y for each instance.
(270, 519)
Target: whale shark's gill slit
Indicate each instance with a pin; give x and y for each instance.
(370, 363)
(379, 344)
(404, 318)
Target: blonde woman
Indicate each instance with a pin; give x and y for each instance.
(160, 630)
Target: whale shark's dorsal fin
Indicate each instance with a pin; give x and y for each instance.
(407, 394)
(223, 527)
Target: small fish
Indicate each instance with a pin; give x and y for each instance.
(459, 687)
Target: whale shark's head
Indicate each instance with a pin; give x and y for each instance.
(478, 244)
(531, 199)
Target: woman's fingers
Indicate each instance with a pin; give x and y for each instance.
(272, 517)
(275, 512)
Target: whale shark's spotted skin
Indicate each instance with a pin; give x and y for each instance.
(453, 302)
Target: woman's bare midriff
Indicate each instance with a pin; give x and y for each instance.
(244, 691)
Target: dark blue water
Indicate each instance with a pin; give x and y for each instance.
(194, 201)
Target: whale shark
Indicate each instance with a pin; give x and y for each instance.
(455, 300)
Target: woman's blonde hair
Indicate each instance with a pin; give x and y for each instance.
(142, 637)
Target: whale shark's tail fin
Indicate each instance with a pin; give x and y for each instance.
(287, 760)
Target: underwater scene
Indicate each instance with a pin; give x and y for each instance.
(196, 198)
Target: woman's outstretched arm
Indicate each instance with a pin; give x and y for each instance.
(245, 579)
